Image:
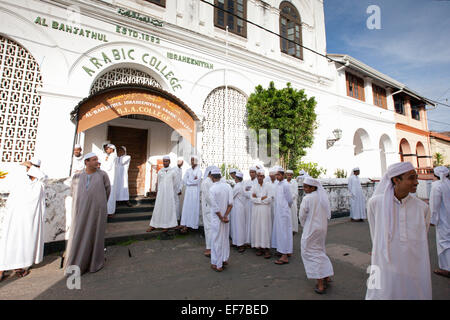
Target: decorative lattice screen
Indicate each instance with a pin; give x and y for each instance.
(123, 76)
(19, 102)
(224, 137)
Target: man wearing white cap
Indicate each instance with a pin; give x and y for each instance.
(90, 192)
(261, 216)
(37, 163)
(302, 174)
(221, 196)
(400, 267)
(314, 214)
(22, 235)
(206, 208)
(294, 191)
(77, 162)
(123, 164)
(238, 214)
(282, 223)
(164, 214)
(248, 184)
(440, 217)
(191, 206)
(109, 165)
(272, 181)
(357, 199)
(179, 186)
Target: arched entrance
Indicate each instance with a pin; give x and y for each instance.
(385, 146)
(406, 153)
(362, 152)
(142, 119)
(421, 156)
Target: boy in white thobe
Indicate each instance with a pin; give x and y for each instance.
(238, 214)
(440, 217)
(22, 235)
(191, 206)
(357, 199)
(294, 191)
(248, 184)
(206, 208)
(261, 216)
(400, 267)
(109, 165)
(123, 164)
(77, 162)
(179, 186)
(282, 224)
(314, 214)
(164, 214)
(221, 196)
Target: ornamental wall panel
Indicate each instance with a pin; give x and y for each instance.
(20, 78)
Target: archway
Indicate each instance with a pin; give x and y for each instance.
(363, 157)
(405, 152)
(421, 155)
(385, 146)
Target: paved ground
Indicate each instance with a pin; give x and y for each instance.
(176, 269)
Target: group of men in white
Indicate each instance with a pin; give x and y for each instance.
(260, 212)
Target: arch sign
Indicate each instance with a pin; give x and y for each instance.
(122, 102)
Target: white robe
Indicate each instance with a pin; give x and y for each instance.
(77, 164)
(282, 224)
(294, 208)
(179, 188)
(440, 217)
(248, 219)
(22, 232)
(221, 196)
(164, 214)
(314, 220)
(261, 216)
(123, 163)
(110, 167)
(407, 275)
(357, 199)
(191, 205)
(238, 215)
(206, 210)
(273, 190)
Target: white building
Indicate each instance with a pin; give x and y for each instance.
(142, 73)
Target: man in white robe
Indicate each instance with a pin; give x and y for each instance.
(400, 266)
(294, 191)
(206, 208)
(191, 206)
(238, 214)
(248, 184)
(302, 174)
(179, 186)
(272, 181)
(22, 234)
(440, 217)
(357, 199)
(123, 164)
(77, 162)
(109, 165)
(221, 196)
(261, 216)
(314, 215)
(282, 239)
(164, 214)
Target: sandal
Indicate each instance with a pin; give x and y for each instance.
(241, 249)
(22, 273)
(3, 276)
(150, 229)
(280, 262)
(316, 290)
(442, 273)
(259, 252)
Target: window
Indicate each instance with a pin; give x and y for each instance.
(379, 96)
(161, 3)
(399, 105)
(415, 112)
(222, 18)
(355, 87)
(291, 28)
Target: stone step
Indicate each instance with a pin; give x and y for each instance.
(129, 216)
(148, 207)
(140, 200)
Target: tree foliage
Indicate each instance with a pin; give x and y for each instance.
(291, 112)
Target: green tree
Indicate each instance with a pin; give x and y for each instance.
(312, 169)
(291, 112)
(438, 159)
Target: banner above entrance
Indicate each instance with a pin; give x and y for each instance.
(118, 102)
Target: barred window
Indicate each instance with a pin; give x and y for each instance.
(291, 28)
(161, 3)
(236, 9)
(20, 77)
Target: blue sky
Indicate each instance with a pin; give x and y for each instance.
(412, 46)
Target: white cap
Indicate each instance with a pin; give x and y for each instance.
(239, 174)
(89, 155)
(35, 161)
(261, 171)
(280, 169)
(166, 158)
(356, 169)
(273, 170)
(112, 146)
(252, 168)
(289, 171)
(77, 146)
(233, 170)
(216, 171)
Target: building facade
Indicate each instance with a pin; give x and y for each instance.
(153, 75)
